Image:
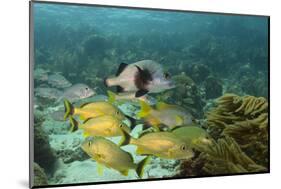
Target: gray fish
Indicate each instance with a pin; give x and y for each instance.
(48, 93)
(77, 92)
(73, 93)
(146, 76)
(58, 81)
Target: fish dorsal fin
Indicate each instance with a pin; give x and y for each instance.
(144, 133)
(83, 105)
(87, 120)
(162, 105)
(121, 68)
(175, 128)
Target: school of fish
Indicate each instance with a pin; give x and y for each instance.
(172, 131)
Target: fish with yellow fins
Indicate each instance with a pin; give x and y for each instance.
(142, 77)
(93, 109)
(105, 126)
(164, 114)
(107, 153)
(164, 145)
(193, 135)
(128, 96)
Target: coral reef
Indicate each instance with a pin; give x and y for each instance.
(199, 72)
(239, 126)
(213, 87)
(246, 120)
(43, 153)
(67, 146)
(226, 157)
(255, 85)
(40, 177)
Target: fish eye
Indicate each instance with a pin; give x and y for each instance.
(87, 88)
(117, 113)
(89, 143)
(167, 75)
(120, 125)
(183, 147)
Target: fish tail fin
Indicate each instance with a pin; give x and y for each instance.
(141, 165)
(111, 96)
(68, 108)
(132, 120)
(74, 125)
(145, 109)
(126, 139)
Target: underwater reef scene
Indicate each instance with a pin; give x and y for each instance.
(129, 94)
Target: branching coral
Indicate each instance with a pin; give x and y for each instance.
(246, 120)
(226, 157)
(248, 111)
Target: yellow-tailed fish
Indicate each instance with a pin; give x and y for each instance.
(107, 153)
(165, 114)
(93, 109)
(105, 126)
(193, 135)
(142, 77)
(165, 145)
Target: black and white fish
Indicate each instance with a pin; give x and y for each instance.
(142, 77)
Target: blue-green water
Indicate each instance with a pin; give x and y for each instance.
(206, 55)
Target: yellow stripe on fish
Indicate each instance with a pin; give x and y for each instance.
(165, 145)
(93, 109)
(166, 114)
(107, 153)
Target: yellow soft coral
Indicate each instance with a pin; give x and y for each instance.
(226, 157)
(246, 120)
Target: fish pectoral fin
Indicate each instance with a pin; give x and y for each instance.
(170, 153)
(119, 89)
(140, 151)
(107, 131)
(100, 169)
(162, 105)
(141, 92)
(125, 172)
(179, 120)
(111, 96)
(82, 117)
(156, 128)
